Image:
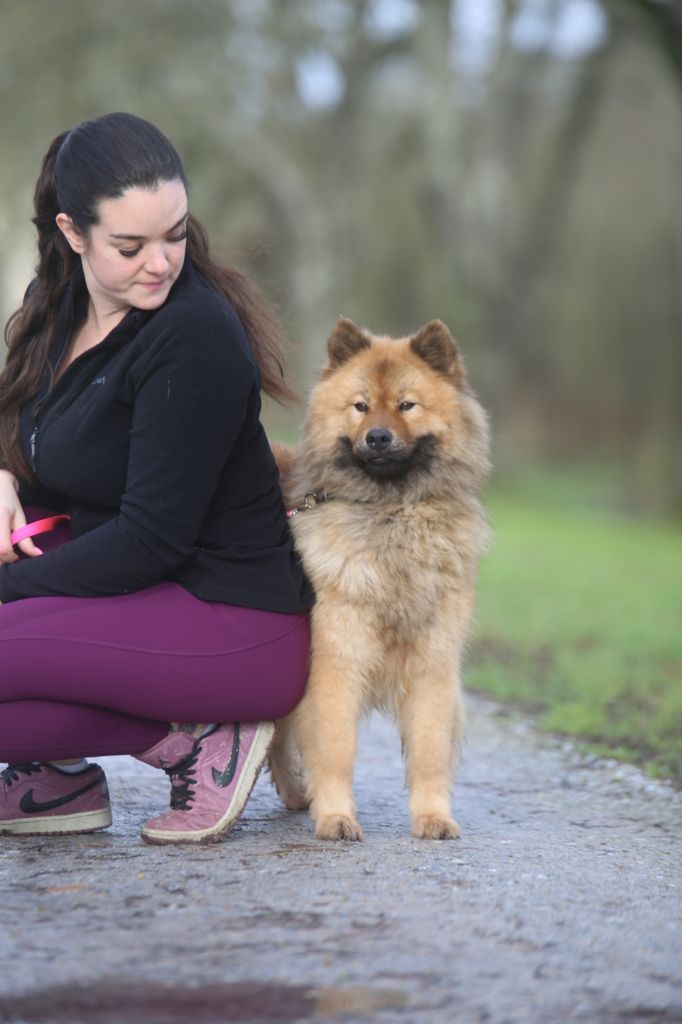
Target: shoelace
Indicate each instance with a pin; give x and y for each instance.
(183, 778)
(12, 772)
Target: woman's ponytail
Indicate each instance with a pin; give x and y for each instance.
(45, 196)
(56, 259)
(29, 330)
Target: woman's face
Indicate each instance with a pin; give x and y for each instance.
(134, 255)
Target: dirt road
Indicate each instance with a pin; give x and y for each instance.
(561, 902)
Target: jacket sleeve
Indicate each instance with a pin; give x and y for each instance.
(189, 406)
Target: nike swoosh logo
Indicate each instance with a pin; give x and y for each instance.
(31, 806)
(225, 777)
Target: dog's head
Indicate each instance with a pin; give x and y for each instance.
(394, 408)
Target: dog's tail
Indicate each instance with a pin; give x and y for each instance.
(284, 457)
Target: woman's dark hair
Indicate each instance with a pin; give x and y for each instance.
(96, 160)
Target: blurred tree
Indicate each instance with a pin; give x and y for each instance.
(511, 166)
(664, 19)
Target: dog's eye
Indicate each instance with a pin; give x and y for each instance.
(362, 406)
(406, 406)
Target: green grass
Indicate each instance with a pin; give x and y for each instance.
(580, 619)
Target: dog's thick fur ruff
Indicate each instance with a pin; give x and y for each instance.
(396, 445)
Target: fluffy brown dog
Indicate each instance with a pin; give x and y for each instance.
(393, 453)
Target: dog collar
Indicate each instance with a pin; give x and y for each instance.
(317, 498)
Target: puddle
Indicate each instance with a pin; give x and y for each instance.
(124, 1002)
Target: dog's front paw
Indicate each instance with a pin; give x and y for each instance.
(435, 826)
(338, 826)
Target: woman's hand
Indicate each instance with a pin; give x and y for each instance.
(11, 518)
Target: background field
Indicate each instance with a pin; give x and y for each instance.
(580, 619)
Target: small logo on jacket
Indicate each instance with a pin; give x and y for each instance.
(100, 380)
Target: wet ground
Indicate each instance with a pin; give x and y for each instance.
(562, 901)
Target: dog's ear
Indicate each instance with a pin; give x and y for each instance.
(435, 345)
(347, 339)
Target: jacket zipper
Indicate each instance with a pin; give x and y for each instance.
(33, 438)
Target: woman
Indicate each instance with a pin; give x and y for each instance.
(130, 403)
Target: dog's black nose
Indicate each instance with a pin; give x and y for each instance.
(379, 438)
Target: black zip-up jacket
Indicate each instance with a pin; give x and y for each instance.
(152, 442)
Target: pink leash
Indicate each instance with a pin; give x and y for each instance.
(39, 526)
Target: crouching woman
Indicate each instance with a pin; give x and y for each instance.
(164, 614)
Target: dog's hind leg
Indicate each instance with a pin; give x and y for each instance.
(285, 766)
(431, 718)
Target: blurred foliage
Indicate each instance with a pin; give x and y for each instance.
(489, 162)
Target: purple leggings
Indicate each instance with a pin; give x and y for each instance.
(82, 676)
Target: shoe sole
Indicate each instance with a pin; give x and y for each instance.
(247, 780)
(58, 825)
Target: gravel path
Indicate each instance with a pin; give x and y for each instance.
(561, 902)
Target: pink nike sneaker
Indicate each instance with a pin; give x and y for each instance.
(211, 785)
(38, 799)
